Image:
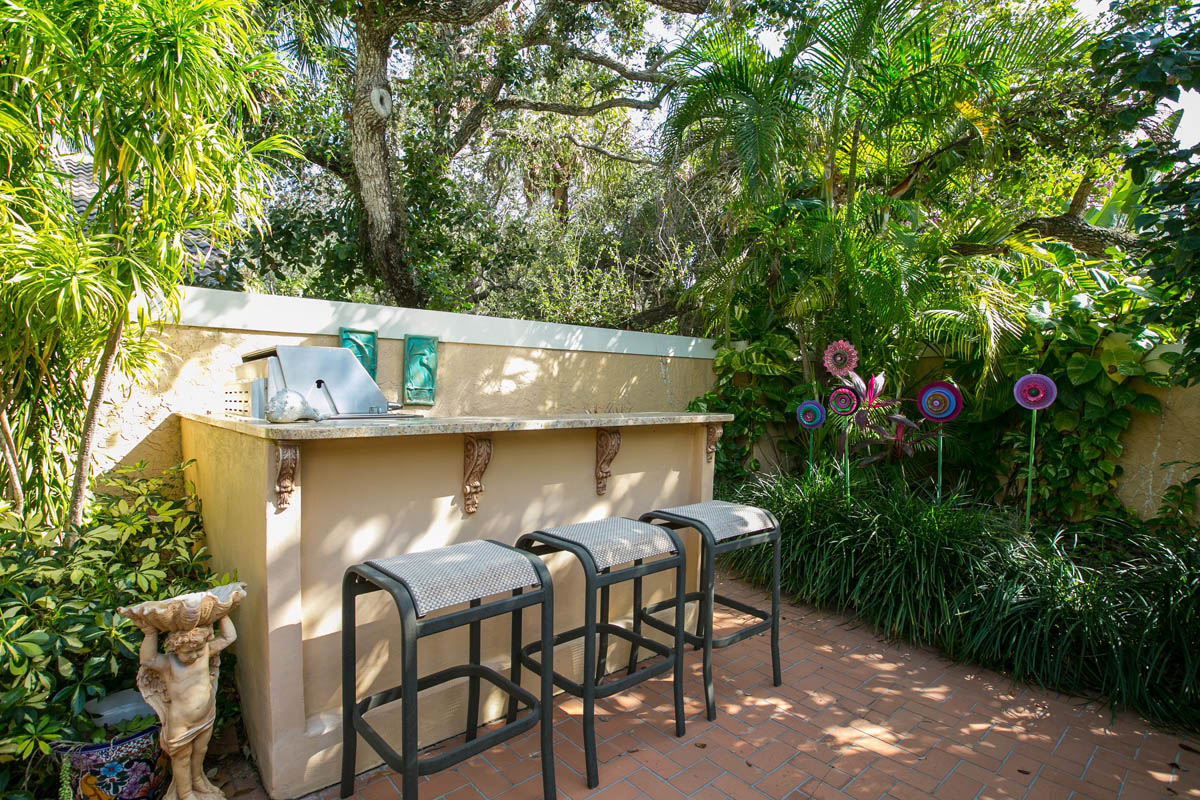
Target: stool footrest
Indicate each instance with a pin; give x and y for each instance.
(463, 751)
(612, 687)
(718, 642)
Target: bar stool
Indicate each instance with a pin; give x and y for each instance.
(600, 546)
(423, 582)
(723, 527)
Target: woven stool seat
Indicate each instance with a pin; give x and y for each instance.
(724, 520)
(616, 540)
(459, 573)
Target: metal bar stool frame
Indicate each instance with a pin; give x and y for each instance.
(595, 648)
(363, 579)
(703, 639)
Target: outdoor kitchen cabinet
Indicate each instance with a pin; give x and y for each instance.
(289, 507)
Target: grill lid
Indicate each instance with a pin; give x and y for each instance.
(331, 379)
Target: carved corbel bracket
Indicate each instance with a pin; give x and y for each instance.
(287, 459)
(608, 442)
(477, 454)
(715, 429)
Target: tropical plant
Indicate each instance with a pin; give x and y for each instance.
(62, 641)
(1152, 54)
(155, 93)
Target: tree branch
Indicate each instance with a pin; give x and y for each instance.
(526, 104)
(473, 121)
(670, 309)
(595, 148)
(680, 6)
(446, 12)
(599, 59)
(1079, 200)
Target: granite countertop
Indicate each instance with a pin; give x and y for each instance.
(426, 426)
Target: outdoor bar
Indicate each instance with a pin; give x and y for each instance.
(291, 506)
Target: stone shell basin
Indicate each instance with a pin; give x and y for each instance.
(187, 611)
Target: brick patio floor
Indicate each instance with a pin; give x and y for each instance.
(855, 717)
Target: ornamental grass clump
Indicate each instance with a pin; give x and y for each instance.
(1116, 615)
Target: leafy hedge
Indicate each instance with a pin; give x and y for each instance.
(1112, 612)
(61, 642)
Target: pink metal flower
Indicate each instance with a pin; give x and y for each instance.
(841, 358)
(1035, 391)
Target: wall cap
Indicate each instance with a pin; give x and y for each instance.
(215, 308)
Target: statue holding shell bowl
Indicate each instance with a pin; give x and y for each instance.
(181, 684)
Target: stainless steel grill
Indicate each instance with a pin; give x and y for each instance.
(330, 379)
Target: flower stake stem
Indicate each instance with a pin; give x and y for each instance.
(1033, 392)
(846, 466)
(939, 489)
(1029, 472)
(810, 454)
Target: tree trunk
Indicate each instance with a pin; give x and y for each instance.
(560, 186)
(16, 491)
(83, 462)
(381, 197)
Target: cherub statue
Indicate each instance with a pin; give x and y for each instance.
(181, 684)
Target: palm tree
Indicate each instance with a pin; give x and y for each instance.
(869, 95)
(157, 93)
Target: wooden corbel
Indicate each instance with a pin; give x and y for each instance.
(608, 442)
(715, 429)
(477, 454)
(287, 459)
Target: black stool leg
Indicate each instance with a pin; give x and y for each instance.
(602, 653)
(680, 590)
(702, 541)
(776, 672)
(706, 620)
(408, 701)
(589, 682)
(473, 681)
(349, 682)
(637, 618)
(547, 693)
(516, 657)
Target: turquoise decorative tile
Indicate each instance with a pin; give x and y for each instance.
(420, 370)
(364, 345)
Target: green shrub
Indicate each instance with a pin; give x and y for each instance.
(1115, 615)
(61, 641)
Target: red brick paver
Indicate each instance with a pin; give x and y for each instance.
(856, 717)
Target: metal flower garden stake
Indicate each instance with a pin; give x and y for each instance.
(939, 402)
(844, 401)
(810, 414)
(840, 359)
(1033, 392)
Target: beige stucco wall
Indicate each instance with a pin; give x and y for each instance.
(473, 379)
(358, 499)
(1156, 439)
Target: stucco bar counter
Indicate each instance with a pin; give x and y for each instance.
(289, 507)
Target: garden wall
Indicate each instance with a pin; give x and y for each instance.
(486, 366)
(1155, 439)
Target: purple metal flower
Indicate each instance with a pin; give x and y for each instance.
(844, 401)
(840, 358)
(811, 414)
(939, 401)
(1035, 392)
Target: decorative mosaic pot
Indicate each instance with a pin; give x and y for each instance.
(130, 768)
